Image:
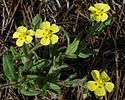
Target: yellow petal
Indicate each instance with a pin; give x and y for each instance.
(21, 29)
(103, 17)
(95, 74)
(30, 32)
(92, 9)
(16, 35)
(100, 91)
(28, 39)
(106, 7)
(95, 17)
(109, 86)
(20, 42)
(54, 28)
(92, 85)
(39, 33)
(45, 41)
(99, 5)
(45, 25)
(54, 39)
(104, 76)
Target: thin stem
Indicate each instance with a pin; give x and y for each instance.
(35, 47)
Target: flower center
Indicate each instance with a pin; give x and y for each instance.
(99, 12)
(100, 83)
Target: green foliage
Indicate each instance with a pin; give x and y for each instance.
(29, 91)
(97, 28)
(36, 69)
(87, 52)
(36, 22)
(8, 67)
(55, 87)
(71, 49)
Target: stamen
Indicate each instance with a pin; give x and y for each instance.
(99, 86)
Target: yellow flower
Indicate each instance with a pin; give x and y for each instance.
(46, 33)
(23, 35)
(99, 12)
(101, 84)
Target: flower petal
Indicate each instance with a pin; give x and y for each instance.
(109, 86)
(30, 32)
(95, 74)
(104, 76)
(95, 17)
(45, 41)
(92, 9)
(103, 17)
(99, 5)
(39, 33)
(28, 39)
(92, 85)
(16, 34)
(54, 28)
(106, 7)
(20, 42)
(45, 25)
(21, 29)
(54, 39)
(100, 91)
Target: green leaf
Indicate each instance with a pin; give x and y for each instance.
(108, 22)
(44, 89)
(86, 53)
(13, 51)
(28, 63)
(72, 48)
(57, 69)
(40, 64)
(62, 67)
(54, 87)
(8, 68)
(29, 91)
(36, 22)
(72, 76)
(97, 28)
(32, 77)
(72, 56)
(67, 36)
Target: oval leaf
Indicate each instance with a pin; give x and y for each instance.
(8, 68)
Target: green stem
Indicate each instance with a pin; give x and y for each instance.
(35, 47)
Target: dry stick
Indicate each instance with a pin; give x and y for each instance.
(51, 12)
(23, 97)
(67, 4)
(3, 22)
(76, 23)
(27, 14)
(7, 36)
(9, 30)
(68, 11)
(59, 5)
(123, 90)
(6, 6)
(116, 62)
(91, 67)
(13, 13)
(8, 17)
(30, 12)
(106, 97)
